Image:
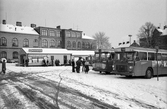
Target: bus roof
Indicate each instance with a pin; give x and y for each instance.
(105, 50)
(141, 49)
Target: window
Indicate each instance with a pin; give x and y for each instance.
(142, 55)
(3, 54)
(73, 34)
(3, 41)
(15, 42)
(87, 45)
(78, 35)
(74, 44)
(44, 43)
(83, 44)
(52, 33)
(25, 43)
(158, 56)
(52, 43)
(69, 44)
(58, 33)
(79, 44)
(35, 43)
(44, 33)
(59, 44)
(67, 34)
(151, 56)
(164, 56)
(15, 55)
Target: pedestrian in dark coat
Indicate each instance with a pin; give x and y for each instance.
(78, 65)
(3, 67)
(73, 65)
(86, 66)
(83, 65)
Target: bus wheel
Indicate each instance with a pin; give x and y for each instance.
(149, 73)
(107, 72)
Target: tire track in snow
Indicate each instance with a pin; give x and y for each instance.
(108, 93)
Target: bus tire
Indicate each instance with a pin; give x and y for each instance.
(149, 73)
(107, 72)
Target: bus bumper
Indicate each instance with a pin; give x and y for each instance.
(123, 73)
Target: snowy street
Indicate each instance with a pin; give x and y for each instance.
(57, 87)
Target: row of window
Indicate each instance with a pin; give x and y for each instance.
(3, 54)
(3, 42)
(72, 34)
(78, 45)
(53, 43)
(51, 33)
(151, 56)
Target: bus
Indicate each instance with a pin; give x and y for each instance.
(138, 61)
(103, 61)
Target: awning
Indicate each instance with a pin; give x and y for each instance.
(45, 51)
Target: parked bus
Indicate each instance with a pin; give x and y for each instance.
(137, 61)
(103, 60)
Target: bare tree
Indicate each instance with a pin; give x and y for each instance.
(146, 35)
(102, 41)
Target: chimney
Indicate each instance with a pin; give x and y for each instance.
(3, 21)
(33, 25)
(18, 24)
(59, 27)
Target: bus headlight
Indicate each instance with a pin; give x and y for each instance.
(113, 67)
(130, 67)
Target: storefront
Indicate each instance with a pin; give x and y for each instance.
(42, 56)
(83, 53)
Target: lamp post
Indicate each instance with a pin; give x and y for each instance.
(156, 47)
(130, 38)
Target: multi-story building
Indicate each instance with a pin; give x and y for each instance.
(13, 38)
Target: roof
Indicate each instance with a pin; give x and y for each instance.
(81, 53)
(45, 51)
(87, 37)
(17, 29)
(140, 49)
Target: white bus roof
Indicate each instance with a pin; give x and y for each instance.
(141, 49)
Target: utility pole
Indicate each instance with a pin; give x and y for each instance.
(157, 60)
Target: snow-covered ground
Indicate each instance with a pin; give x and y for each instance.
(125, 93)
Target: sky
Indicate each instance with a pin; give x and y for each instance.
(116, 18)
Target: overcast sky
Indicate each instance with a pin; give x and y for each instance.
(116, 18)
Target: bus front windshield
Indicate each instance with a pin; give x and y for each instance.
(124, 56)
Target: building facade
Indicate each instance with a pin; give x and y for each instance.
(13, 38)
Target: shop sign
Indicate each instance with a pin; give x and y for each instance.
(35, 50)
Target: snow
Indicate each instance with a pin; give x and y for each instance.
(112, 89)
(17, 29)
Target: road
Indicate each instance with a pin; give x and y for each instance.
(43, 93)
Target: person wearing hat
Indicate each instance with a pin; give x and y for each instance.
(3, 66)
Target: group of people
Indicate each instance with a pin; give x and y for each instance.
(80, 62)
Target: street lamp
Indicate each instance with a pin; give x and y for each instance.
(130, 38)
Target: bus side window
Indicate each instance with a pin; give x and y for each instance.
(136, 57)
(164, 57)
(151, 56)
(142, 55)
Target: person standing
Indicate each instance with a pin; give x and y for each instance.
(83, 65)
(73, 65)
(78, 65)
(3, 66)
(86, 66)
